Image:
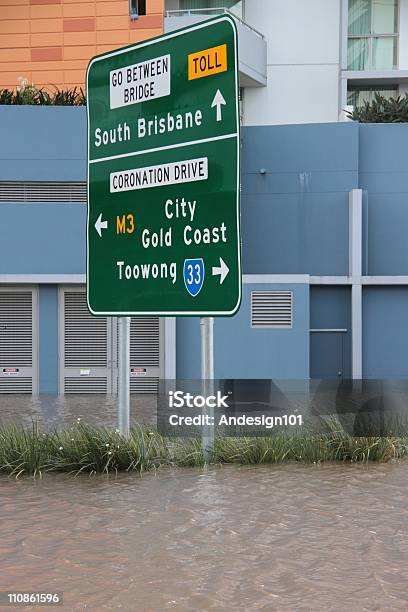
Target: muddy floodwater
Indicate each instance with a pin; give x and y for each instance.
(59, 411)
(231, 538)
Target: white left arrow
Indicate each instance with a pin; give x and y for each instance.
(100, 225)
(218, 101)
(221, 271)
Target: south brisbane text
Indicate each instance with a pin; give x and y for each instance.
(167, 124)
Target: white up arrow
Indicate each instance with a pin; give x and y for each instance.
(222, 271)
(100, 225)
(218, 102)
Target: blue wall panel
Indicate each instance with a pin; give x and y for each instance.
(188, 351)
(295, 215)
(385, 332)
(243, 352)
(330, 352)
(384, 177)
(295, 234)
(43, 143)
(48, 341)
(42, 238)
(386, 223)
(318, 147)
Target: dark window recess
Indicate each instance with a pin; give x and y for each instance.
(137, 8)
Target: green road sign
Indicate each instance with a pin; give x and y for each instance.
(163, 175)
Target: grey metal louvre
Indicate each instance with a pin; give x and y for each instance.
(145, 342)
(145, 354)
(39, 191)
(85, 336)
(89, 349)
(16, 324)
(17, 341)
(77, 384)
(16, 385)
(86, 357)
(144, 385)
(272, 309)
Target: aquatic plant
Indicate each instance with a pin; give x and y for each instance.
(86, 448)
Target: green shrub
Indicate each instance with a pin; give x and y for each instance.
(29, 94)
(382, 110)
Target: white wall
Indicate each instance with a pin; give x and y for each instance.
(403, 35)
(303, 39)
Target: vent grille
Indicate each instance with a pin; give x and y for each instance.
(86, 336)
(16, 385)
(272, 309)
(144, 385)
(145, 342)
(16, 329)
(43, 192)
(77, 384)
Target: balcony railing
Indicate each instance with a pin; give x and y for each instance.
(210, 12)
(252, 51)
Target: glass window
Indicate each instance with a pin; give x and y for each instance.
(358, 53)
(385, 17)
(356, 96)
(384, 53)
(373, 34)
(359, 17)
(137, 7)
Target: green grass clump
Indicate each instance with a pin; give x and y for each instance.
(314, 449)
(90, 449)
(23, 450)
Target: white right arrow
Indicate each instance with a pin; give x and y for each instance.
(218, 102)
(100, 225)
(221, 271)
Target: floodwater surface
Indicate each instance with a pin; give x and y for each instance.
(59, 410)
(230, 538)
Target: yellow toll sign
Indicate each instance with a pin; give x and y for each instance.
(207, 62)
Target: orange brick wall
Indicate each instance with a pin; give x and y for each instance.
(49, 42)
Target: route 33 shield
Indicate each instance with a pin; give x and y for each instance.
(194, 272)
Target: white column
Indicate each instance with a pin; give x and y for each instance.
(355, 272)
(356, 331)
(403, 35)
(170, 348)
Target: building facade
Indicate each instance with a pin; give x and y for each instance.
(300, 62)
(324, 203)
(324, 252)
(322, 56)
(50, 42)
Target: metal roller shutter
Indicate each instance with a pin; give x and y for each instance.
(89, 349)
(18, 340)
(146, 354)
(86, 358)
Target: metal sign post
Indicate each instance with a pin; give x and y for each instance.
(124, 374)
(207, 375)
